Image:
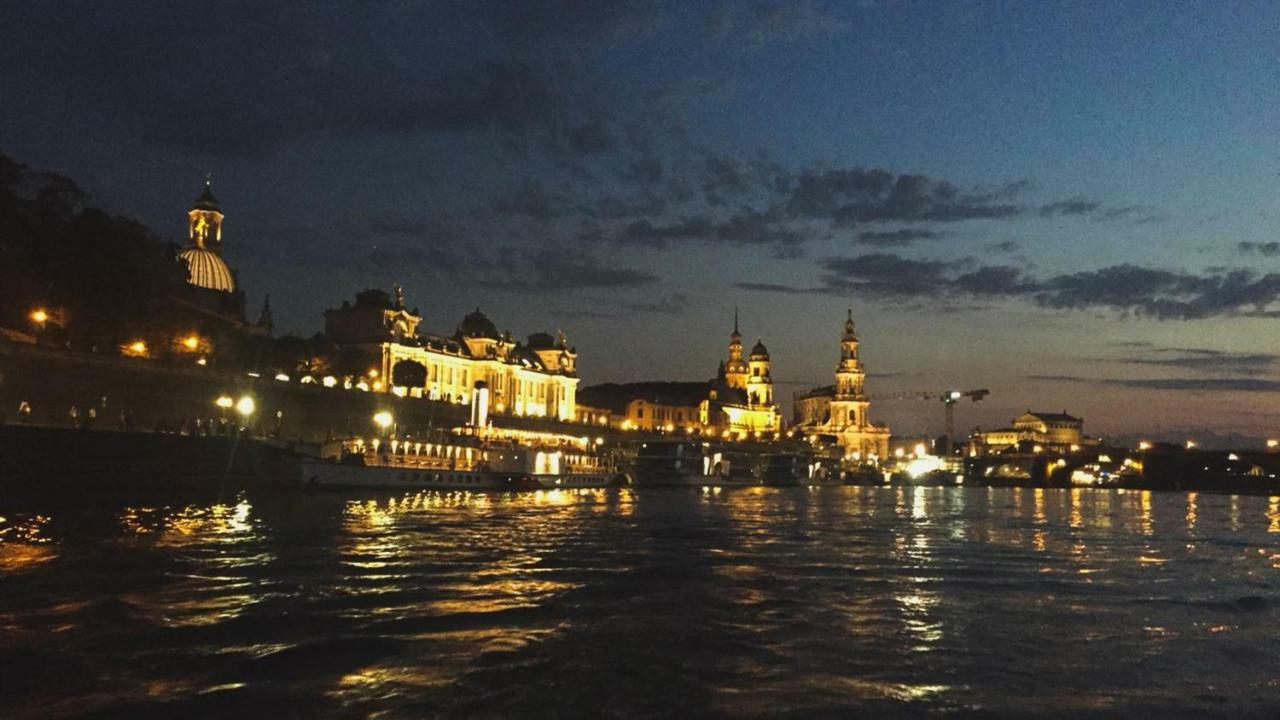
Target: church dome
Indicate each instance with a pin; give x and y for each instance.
(760, 350)
(205, 269)
(477, 325)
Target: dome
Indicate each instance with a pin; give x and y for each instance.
(205, 269)
(207, 201)
(760, 350)
(476, 325)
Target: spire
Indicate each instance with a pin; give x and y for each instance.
(399, 297)
(265, 319)
(849, 331)
(735, 336)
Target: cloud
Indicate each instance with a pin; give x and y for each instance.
(672, 304)
(1162, 294)
(1127, 289)
(1177, 384)
(1069, 207)
(547, 269)
(530, 199)
(1266, 249)
(1079, 207)
(1207, 361)
(748, 227)
(792, 21)
(901, 237)
(852, 196)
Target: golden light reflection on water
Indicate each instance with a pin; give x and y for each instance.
(1191, 511)
(1273, 514)
(1145, 522)
(24, 542)
(192, 523)
(1076, 520)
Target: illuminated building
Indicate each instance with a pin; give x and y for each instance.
(204, 317)
(739, 401)
(202, 256)
(538, 378)
(1052, 432)
(839, 414)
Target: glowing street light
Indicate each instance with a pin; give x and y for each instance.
(191, 342)
(1144, 445)
(225, 402)
(245, 406)
(383, 419)
(1192, 444)
(39, 316)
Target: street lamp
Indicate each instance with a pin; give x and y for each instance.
(39, 316)
(245, 406)
(225, 402)
(383, 420)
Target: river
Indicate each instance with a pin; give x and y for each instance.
(763, 602)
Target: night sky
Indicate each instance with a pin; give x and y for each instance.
(1072, 204)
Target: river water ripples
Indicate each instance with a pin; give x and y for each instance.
(795, 602)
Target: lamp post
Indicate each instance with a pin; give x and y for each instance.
(245, 407)
(384, 420)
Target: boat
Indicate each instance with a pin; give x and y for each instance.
(800, 468)
(694, 463)
(1105, 473)
(485, 461)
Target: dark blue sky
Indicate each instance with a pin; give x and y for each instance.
(1072, 204)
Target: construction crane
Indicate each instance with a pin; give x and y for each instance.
(949, 399)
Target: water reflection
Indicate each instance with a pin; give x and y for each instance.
(825, 601)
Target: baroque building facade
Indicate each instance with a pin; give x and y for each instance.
(1048, 431)
(537, 378)
(838, 415)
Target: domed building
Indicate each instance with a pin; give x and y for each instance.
(207, 273)
(538, 378)
(211, 304)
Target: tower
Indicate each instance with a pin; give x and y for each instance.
(849, 404)
(759, 380)
(204, 220)
(735, 371)
(203, 254)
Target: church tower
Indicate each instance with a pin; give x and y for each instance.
(849, 404)
(204, 220)
(203, 254)
(735, 371)
(759, 380)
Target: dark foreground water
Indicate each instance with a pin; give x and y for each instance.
(838, 602)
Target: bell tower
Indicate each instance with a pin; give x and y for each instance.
(735, 371)
(204, 220)
(849, 404)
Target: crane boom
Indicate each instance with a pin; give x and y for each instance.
(949, 399)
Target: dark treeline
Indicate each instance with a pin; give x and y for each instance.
(100, 274)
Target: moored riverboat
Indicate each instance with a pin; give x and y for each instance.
(694, 463)
(800, 468)
(488, 460)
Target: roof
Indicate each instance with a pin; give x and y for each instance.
(760, 349)
(478, 325)
(616, 396)
(205, 269)
(207, 201)
(1055, 417)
